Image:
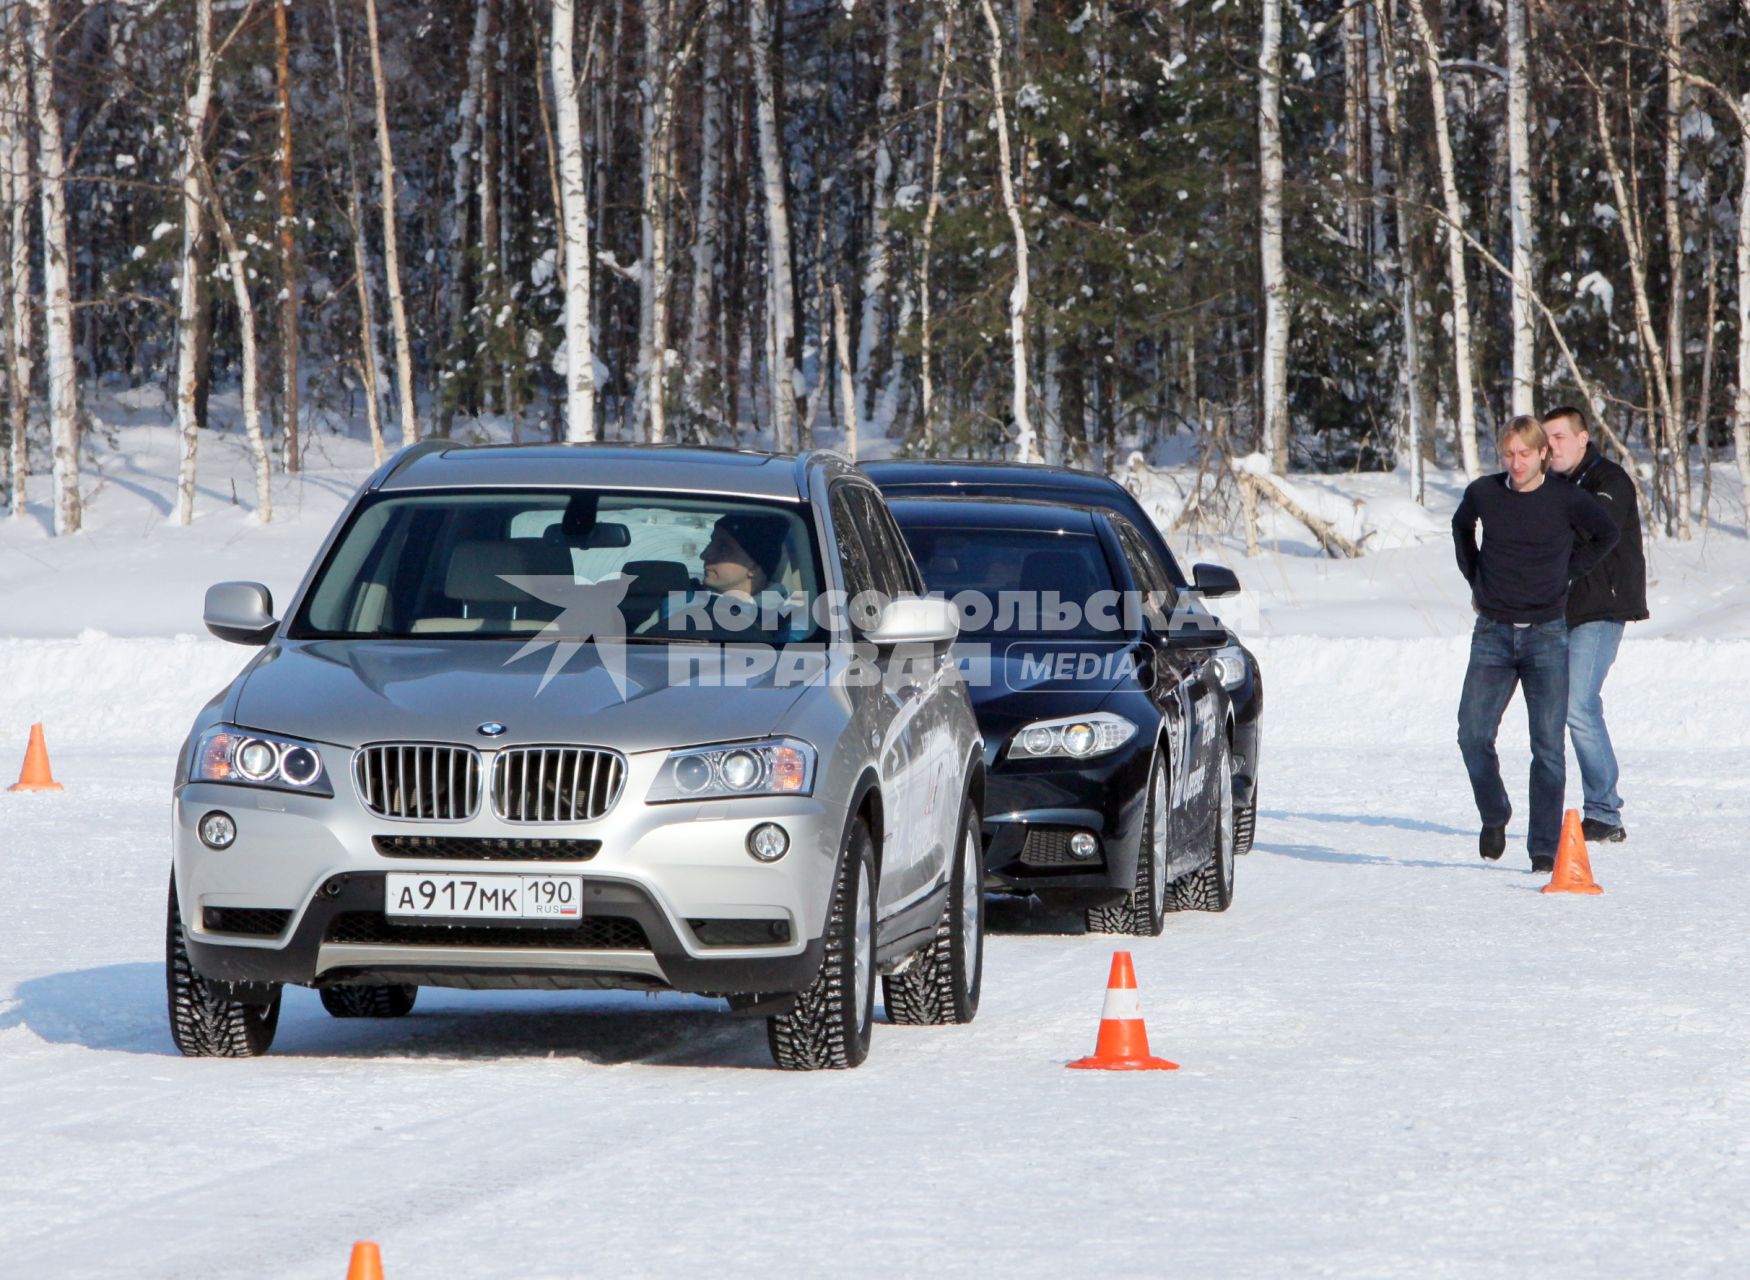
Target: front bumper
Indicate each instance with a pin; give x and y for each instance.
(1032, 806)
(671, 899)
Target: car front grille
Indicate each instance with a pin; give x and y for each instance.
(556, 784)
(592, 933)
(419, 780)
(255, 922)
(487, 848)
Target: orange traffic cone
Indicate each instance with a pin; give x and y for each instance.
(1123, 1042)
(367, 1262)
(1573, 873)
(35, 775)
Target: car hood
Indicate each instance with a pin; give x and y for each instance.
(1015, 683)
(349, 692)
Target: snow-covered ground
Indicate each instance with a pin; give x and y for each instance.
(1395, 1058)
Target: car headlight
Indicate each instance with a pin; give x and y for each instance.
(243, 757)
(1230, 666)
(1072, 737)
(776, 767)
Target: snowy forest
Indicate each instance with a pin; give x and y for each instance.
(1345, 236)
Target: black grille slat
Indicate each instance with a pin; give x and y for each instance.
(592, 933)
(421, 782)
(544, 784)
(487, 848)
(258, 922)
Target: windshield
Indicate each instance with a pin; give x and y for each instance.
(497, 564)
(1036, 567)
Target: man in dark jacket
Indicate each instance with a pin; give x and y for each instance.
(1539, 534)
(1600, 603)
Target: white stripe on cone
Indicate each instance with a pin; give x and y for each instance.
(1121, 1005)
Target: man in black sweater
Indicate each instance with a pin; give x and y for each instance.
(1540, 533)
(1600, 604)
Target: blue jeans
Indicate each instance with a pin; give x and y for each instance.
(1502, 657)
(1591, 649)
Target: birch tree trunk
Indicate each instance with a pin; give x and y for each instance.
(1628, 218)
(881, 201)
(288, 249)
(1026, 447)
(190, 286)
(1354, 134)
(1275, 361)
(238, 269)
(15, 198)
(391, 240)
(1676, 428)
(1403, 219)
(1376, 139)
(1741, 402)
(782, 288)
(370, 362)
(926, 386)
(1523, 212)
(579, 351)
(847, 383)
(656, 91)
(461, 194)
(1461, 343)
(63, 375)
(707, 226)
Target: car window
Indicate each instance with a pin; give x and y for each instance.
(891, 562)
(854, 551)
(911, 576)
(1146, 569)
(485, 564)
(1030, 566)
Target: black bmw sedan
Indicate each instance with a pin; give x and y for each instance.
(1108, 734)
(1236, 665)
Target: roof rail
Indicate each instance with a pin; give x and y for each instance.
(418, 449)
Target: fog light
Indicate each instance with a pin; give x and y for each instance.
(768, 842)
(1083, 845)
(217, 830)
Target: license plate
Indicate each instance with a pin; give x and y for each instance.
(485, 897)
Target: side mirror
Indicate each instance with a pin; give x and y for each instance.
(1212, 581)
(916, 620)
(241, 612)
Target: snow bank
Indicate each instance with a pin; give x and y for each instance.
(100, 690)
(1373, 692)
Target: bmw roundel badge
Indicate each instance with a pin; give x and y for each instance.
(491, 729)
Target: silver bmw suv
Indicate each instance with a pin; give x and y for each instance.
(587, 717)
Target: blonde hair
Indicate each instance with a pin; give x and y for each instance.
(1529, 430)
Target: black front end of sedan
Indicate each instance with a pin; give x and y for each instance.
(1241, 676)
(1067, 830)
(1108, 735)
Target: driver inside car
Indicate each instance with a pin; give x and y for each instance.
(739, 566)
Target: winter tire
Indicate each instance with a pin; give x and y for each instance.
(1142, 911)
(369, 1002)
(204, 1021)
(1245, 823)
(830, 1024)
(942, 983)
(1211, 886)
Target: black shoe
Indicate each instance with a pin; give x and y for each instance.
(1492, 843)
(1598, 832)
(1542, 863)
